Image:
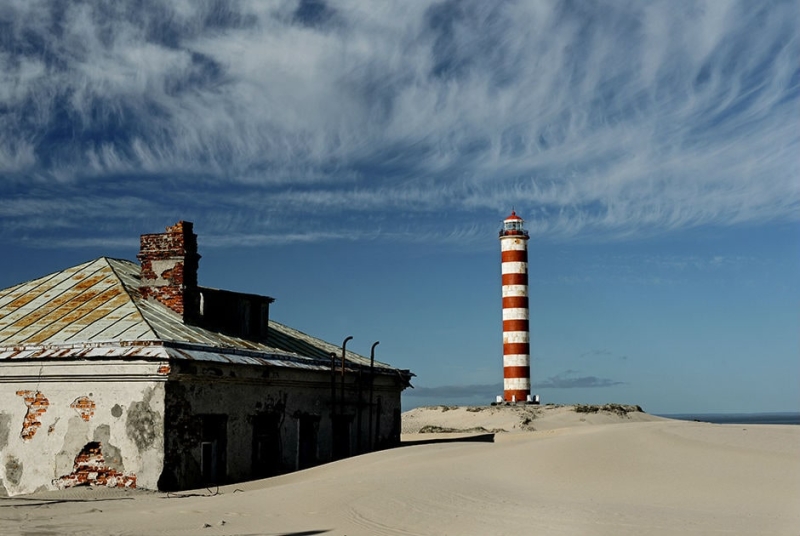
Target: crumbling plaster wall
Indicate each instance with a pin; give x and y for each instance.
(74, 423)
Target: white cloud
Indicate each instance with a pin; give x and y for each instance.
(592, 118)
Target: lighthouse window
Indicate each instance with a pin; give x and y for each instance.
(513, 225)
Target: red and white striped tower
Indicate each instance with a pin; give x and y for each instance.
(516, 331)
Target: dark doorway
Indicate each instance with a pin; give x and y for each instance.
(307, 441)
(266, 445)
(213, 449)
(341, 436)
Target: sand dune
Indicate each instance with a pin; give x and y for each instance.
(574, 474)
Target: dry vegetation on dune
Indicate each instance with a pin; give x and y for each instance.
(432, 429)
(498, 418)
(619, 409)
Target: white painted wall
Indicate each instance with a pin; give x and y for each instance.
(127, 419)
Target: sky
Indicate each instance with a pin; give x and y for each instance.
(355, 161)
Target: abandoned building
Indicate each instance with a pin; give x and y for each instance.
(131, 375)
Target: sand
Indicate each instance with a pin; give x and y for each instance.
(571, 474)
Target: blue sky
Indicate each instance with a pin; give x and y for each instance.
(355, 162)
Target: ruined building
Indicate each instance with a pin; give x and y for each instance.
(121, 374)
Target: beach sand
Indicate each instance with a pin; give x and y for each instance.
(554, 472)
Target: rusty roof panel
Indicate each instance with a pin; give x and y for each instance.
(30, 308)
(121, 320)
(79, 303)
(53, 324)
(41, 293)
(77, 321)
(20, 295)
(98, 320)
(65, 300)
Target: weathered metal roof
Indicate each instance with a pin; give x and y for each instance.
(84, 303)
(95, 310)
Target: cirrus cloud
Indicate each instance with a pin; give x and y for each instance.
(608, 119)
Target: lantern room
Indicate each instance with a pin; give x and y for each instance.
(513, 226)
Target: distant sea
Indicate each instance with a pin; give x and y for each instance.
(739, 418)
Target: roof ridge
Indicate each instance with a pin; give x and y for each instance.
(133, 300)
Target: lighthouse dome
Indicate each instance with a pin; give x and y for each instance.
(513, 226)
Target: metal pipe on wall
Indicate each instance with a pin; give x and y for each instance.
(359, 407)
(333, 382)
(341, 393)
(371, 390)
(333, 399)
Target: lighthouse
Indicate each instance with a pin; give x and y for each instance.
(516, 331)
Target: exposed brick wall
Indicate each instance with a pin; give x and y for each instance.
(90, 468)
(37, 404)
(84, 406)
(169, 269)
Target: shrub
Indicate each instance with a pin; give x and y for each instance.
(619, 409)
(433, 429)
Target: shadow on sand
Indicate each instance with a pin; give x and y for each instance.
(441, 438)
(305, 533)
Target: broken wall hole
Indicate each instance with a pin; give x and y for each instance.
(90, 469)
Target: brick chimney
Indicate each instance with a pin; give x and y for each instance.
(169, 269)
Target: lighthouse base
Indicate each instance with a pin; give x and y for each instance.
(529, 399)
